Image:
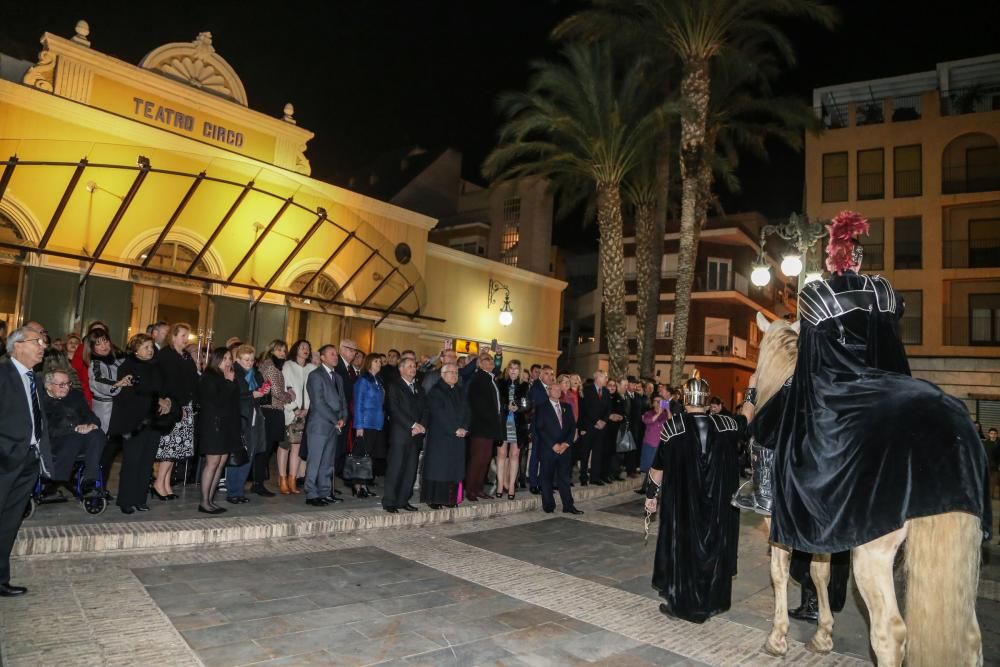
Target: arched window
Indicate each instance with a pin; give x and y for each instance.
(174, 257)
(11, 233)
(322, 288)
(971, 163)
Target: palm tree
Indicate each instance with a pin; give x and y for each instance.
(580, 124)
(641, 192)
(698, 32)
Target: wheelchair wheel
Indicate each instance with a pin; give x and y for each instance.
(29, 510)
(94, 506)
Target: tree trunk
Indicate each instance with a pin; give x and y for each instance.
(694, 91)
(647, 325)
(612, 265)
(648, 264)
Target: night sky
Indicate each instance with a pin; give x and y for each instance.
(376, 75)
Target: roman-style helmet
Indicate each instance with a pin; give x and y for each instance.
(696, 391)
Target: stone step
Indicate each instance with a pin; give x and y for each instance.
(102, 537)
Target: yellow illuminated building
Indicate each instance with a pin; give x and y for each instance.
(130, 194)
(918, 155)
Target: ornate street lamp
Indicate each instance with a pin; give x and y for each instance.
(506, 313)
(803, 235)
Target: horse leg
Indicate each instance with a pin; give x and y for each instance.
(872, 563)
(819, 571)
(777, 644)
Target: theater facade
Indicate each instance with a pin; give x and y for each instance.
(136, 193)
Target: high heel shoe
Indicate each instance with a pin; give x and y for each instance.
(499, 493)
(283, 485)
(157, 494)
(510, 496)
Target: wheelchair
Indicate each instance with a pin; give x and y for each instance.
(93, 504)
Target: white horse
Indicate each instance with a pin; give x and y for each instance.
(942, 565)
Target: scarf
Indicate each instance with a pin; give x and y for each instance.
(278, 363)
(251, 378)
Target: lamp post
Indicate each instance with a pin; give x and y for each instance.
(506, 313)
(803, 235)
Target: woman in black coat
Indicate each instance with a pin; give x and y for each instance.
(616, 421)
(513, 412)
(485, 426)
(135, 414)
(180, 379)
(444, 447)
(218, 424)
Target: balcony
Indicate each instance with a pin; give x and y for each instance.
(869, 113)
(961, 179)
(975, 99)
(972, 254)
(907, 183)
(871, 186)
(905, 107)
(728, 346)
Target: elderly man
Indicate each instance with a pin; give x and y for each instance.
(406, 407)
(158, 332)
(24, 441)
(73, 429)
(325, 423)
(444, 450)
(552, 431)
(538, 395)
(447, 357)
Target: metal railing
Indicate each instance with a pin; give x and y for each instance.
(974, 99)
(834, 116)
(869, 113)
(907, 183)
(971, 253)
(874, 257)
(905, 107)
(871, 186)
(957, 179)
(971, 331)
(834, 188)
(911, 330)
(908, 254)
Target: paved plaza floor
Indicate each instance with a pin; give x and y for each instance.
(519, 589)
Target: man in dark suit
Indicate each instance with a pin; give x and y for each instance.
(406, 408)
(324, 425)
(538, 394)
(595, 407)
(552, 431)
(24, 441)
(636, 404)
(73, 430)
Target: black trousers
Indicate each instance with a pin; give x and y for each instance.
(67, 448)
(400, 473)
(111, 449)
(260, 463)
(15, 488)
(582, 450)
(138, 453)
(555, 472)
(595, 449)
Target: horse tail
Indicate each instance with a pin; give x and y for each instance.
(942, 579)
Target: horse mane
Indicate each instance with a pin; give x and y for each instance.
(779, 348)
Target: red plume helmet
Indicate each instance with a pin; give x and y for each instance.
(844, 230)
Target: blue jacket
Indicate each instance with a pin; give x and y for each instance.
(369, 400)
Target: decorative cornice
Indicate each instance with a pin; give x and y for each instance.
(494, 268)
(197, 64)
(42, 74)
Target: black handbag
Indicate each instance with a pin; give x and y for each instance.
(239, 456)
(358, 467)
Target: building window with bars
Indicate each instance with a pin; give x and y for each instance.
(911, 325)
(871, 174)
(907, 179)
(835, 177)
(511, 230)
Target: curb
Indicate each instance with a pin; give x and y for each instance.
(164, 535)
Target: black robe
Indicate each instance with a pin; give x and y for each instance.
(699, 528)
(444, 452)
(860, 446)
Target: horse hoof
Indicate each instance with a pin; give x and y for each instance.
(773, 651)
(813, 647)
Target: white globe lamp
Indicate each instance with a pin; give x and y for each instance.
(791, 265)
(761, 275)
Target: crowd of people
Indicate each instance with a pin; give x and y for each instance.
(447, 429)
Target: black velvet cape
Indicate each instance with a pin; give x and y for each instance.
(860, 446)
(699, 528)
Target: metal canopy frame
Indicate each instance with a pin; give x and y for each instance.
(144, 169)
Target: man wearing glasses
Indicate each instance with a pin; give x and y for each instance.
(73, 430)
(24, 440)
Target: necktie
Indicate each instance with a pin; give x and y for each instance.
(558, 409)
(413, 388)
(36, 410)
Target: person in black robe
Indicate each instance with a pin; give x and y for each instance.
(860, 445)
(444, 446)
(697, 468)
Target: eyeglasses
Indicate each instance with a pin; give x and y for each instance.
(40, 341)
(59, 384)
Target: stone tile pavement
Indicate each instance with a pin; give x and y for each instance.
(516, 589)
